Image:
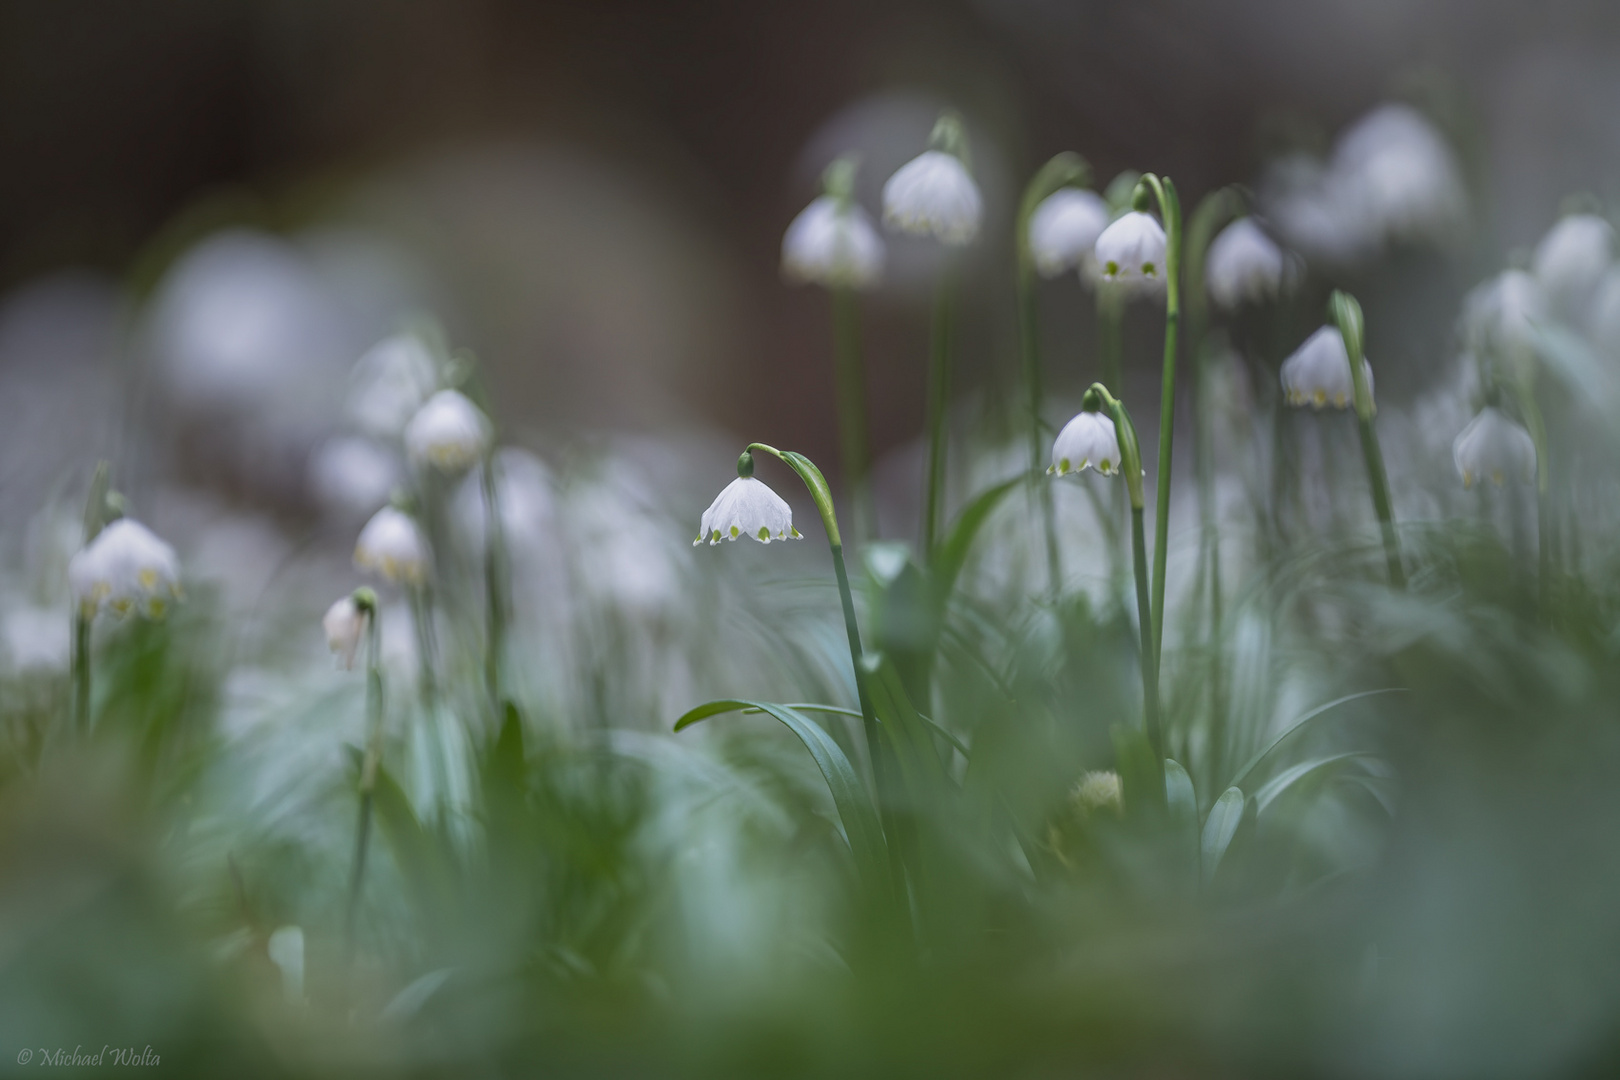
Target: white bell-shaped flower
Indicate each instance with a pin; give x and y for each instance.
(391, 545)
(1132, 249)
(125, 568)
(1503, 314)
(389, 384)
(344, 623)
(449, 433)
(1496, 448)
(1398, 176)
(1064, 228)
(934, 195)
(1245, 266)
(1571, 259)
(832, 243)
(1088, 441)
(1318, 372)
(353, 474)
(747, 507)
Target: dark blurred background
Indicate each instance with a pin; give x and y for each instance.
(598, 190)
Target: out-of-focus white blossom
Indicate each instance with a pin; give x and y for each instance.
(524, 488)
(448, 432)
(1501, 315)
(1495, 448)
(1318, 373)
(1245, 265)
(125, 568)
(747, 507)
(832, 243)
(353, 474)
(1064, 229)
(1571, 259)
(1100, 790)
(344, 624)
(286, 950)
(389, 384)
(1603, 317)
(1132, 249)
(934, 195)
(1088, 441)
(36, 638)
(391, 545)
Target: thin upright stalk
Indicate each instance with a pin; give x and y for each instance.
(1544, 543)
(1347, 316)
(426, 646)
(1110, 336)
(1029, 345)
(1170, 211)
(81, 672)
(495, 585)
(368, 770)
(852, 417)
(938, 406)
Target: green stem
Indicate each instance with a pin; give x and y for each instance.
(1170, 211)
(81, 673)
(1111, 335)
(1544, 545)
(426, 646)
(852, 418)
(495, 588)
(368, 772)
(1347, 316)
(1029, 343)
(938, 407)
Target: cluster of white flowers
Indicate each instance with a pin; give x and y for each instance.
(1318, 372)
(125, 569)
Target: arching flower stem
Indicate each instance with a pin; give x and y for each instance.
(1065, 170)
(366, 602)
(1130, 464)
(1170, 213)
(1345, 313)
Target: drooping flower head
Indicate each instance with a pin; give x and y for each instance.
(1064, 228)
(126, 568)
(1245, 266)
(933, 194)
(747, 507)
(1318, 373)
(1571, 259)
(353, 474)
(1496, 448)
(389, 385)
(1132, 250)
(391, 545)
(832, 242)
(1399, 176)
(344, 623)
(449, 433)
(1089, 441)
(1501, 316)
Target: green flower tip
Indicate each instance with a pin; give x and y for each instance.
(1141, 197)
(950, 135)
(839, 178)
(365, 599)
(745, 464)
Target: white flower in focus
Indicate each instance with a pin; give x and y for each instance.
(934, 195)
(1400, 177)
(390, 383)
(1503, 313)
(1132, 249)
(125, 568)
(1064, 228)
(344, 622)
(391, 545)
(1088, 441)
(1318, 372)
(1571, 259)
(1245, 265)
(747, 507)
(1494, 447)
(448, 432)
(352, 473)
(832, 243)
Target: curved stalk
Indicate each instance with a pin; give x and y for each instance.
(1170, 211)
(1346, 314)
(1130, 466)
